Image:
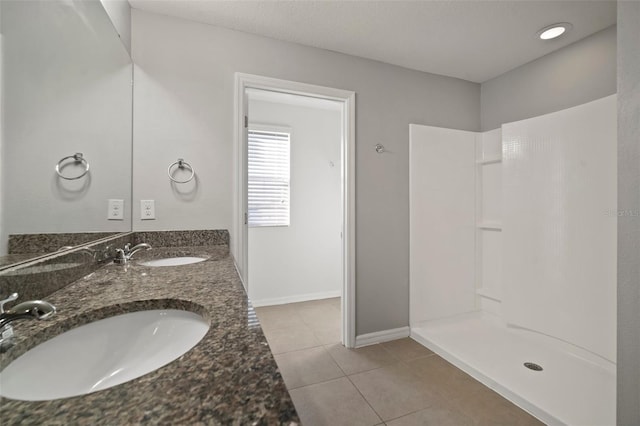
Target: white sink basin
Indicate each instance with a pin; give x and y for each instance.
(102, 354)
(173, 261)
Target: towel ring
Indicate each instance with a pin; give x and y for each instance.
(181, 165)
(78, 158)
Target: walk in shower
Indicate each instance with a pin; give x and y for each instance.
(513, 257)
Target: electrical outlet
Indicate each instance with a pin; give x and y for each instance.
(115, 210)
(147, 209)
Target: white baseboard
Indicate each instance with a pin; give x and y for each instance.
(297, 298)
(235, 265)
(381, 336)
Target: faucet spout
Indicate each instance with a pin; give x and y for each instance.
(138, 247)
(124, 255)
(33, 309)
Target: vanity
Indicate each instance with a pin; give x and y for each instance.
(229, 377)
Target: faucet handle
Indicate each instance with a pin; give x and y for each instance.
(127, 248)
(11, 298)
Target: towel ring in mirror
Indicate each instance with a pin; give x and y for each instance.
(77, 158)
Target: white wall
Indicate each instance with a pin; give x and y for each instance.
(559, 225)
(489, 219)
(183, 94)
(578, 73)
(119, 12)
(302, 261)
(67, 90)
(629, 211)
(442, 212)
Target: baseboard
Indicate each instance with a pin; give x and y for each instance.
(235, 265)
(297, 298)
(381, 336)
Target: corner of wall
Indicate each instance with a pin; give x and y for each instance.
(628, 405)
(575, 74)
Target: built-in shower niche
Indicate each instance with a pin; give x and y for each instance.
(513, 254)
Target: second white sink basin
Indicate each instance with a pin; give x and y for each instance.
(102, 354)
(173, 261)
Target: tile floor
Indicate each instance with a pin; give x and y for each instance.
(399, 383)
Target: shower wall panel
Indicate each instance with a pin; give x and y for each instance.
(559, 225)
(442, 222)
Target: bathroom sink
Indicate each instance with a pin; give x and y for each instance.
(173, 261)
(102, 354)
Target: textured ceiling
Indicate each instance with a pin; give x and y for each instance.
(472, 40)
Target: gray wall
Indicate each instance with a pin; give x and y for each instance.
(579, 73)
(184, 97)
(629, 219)
(3, 228)
(67, 89)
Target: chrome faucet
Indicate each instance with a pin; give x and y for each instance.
(33, 309)
(124, 255)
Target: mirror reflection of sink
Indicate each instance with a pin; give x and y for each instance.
(173, 261)
(102, 354)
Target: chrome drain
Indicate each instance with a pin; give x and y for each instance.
(533, 366)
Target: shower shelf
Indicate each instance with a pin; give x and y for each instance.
(490, 160)
(492, 226)
(489, 294)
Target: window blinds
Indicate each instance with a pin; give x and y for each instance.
(269, 155)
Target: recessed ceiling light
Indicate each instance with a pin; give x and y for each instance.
(553, 31)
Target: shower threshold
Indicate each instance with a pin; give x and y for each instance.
(574, 387)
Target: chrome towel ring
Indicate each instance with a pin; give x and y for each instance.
(181, 165)
(78, 158)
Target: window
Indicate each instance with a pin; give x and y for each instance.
(268, 178)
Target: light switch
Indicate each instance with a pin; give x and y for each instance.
(147, 209)
(116, 210)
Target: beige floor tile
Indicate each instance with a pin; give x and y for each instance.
(279, 316)
(394, 391)
(333, 403)
(434, 416)
(487, 408)
(319, 314)
(468, 395)
(295, 337)
(447, 380)
(328, 335)
(362, 359)
(406, 349)
(307, 367)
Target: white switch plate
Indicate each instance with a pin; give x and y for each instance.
(115, 210)
(147, 209)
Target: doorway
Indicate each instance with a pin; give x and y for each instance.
(344, 102)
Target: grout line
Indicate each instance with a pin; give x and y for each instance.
(365, 399)
(313, 384)
(296, 350)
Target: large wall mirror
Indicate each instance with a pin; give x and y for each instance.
(67, 91)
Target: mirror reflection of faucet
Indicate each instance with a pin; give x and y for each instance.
(124, 255)
(30, 310)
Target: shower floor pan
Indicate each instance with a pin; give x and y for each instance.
(575, 387)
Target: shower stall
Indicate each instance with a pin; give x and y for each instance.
(513, 257)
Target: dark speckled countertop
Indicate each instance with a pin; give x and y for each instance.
(229, 377)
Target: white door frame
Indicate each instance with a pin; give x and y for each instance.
(239, 236)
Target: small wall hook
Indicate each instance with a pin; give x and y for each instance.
(379, 148)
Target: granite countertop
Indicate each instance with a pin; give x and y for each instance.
(229, 377)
